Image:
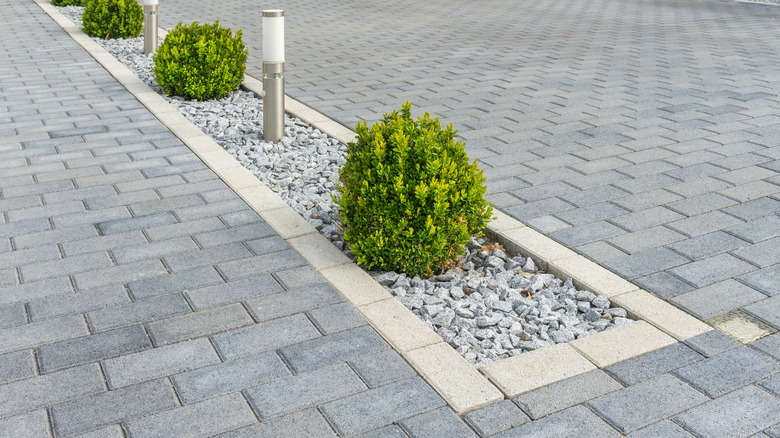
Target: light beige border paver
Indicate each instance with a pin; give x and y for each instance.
(398, 325)
(456, 380)
(621, 343)
(644, 305)
(535, 369)
(419, 344)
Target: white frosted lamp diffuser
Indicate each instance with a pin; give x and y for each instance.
(273, 35)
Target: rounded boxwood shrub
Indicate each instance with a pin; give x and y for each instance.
(113, 18)
(410, 200)
(69, 2)
(201, 61)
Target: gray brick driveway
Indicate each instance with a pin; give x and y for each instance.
(644, 134)
(126, 308)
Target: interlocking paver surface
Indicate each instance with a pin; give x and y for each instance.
(139, 296)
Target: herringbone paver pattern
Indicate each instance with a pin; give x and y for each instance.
(643, 134)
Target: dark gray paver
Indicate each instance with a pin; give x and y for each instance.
(711, 343)
(336, 318)
(381, 406)
(740, 413)
(663, 285)
(66, 354)
(666, 429)
(379, 369)
(772, 385)
(92, 412)
(85, 301)
(577, 418)
(177, 282)
(711, 270)
(293, 393)
(307, 422)
(567, 393)
(40, 333)
(496, 418)
(21, 293)
(138, 311)
(267, 336)
(12, 315)
(653, 364)
(238, 290)
(769, 345)
(272, 306)
(728, 371)
(439, 423)
(209, 417)
(229, 376)
(327, 350)
(645, 262)
(392, 431)
(647, 402)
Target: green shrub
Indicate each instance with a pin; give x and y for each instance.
(69, 2)
(201, 61)
(113, 18)
(410, 200)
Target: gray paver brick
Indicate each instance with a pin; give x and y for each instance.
(197, 324)
(93, 348)
(652, 364)
(42, 391)
(717, 298)
(155, 206)
(567, 393)
(645, 239)
(12, 315)
(646, 218)
(579, 418)
(439, 423)
(66, 266)
(756, 230)
(762, 254)
(119, 274)
(204, 257)
(382, 368)
(240, 233)
(16, 365)
(128, 254)
(112, 407)
(772, 385)
(135, 223)
(336, 318)
(40, 333)
(299, 277)
(496, 418)
(233, 291)
(59, 305)
(645, 262)
(229, 376)
(307, 422)
(267, 245)
(34, 424)
(293, 393)
(666, 429)
(586, 233)
(53, 237)
(706, 245)
(647, 402)
(663, 284)
(271, 335)
(704, 223)
(267, 307)
(711, 343)
(768, 310)
(177, 282)
(207, 418)
(339, 347)
(28, 256)
(262, 264)
(754, 209)
(766, 280)
(391, 431)
(137, 312)
(718, 375)
(102, 243)
(711, 270)
(769, 345)
(740, 413)
(381, 406)
(159, 362)
(170, 231)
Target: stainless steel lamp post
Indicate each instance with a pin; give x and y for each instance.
(150, 26)
(273, 74)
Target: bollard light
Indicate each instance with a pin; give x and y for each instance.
(273, 74)
(150, 26)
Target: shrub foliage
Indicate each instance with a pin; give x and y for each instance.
(69, 2)
(113, 18)
(410, 200)
(201, 61)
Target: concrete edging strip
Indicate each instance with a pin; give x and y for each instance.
(460, 384)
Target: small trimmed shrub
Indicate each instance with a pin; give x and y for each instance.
(69, 2)
(201, 61)
(410, 200)
(113, 18)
